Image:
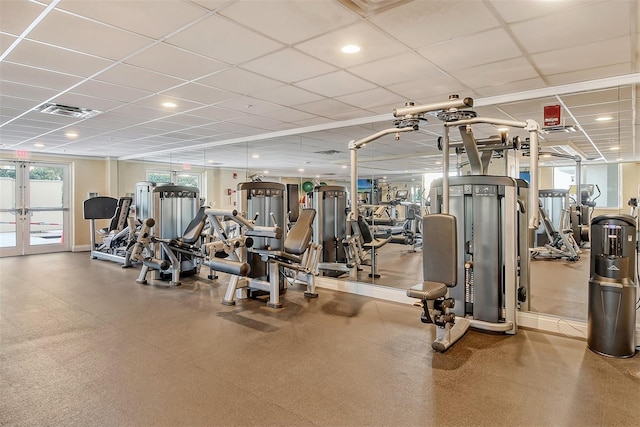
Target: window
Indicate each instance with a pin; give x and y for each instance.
(602, 178)
(175, 177)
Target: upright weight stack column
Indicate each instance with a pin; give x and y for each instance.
(612, 288)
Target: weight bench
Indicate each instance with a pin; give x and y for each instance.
(440, 271)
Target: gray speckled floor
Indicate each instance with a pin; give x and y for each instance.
(82, 344)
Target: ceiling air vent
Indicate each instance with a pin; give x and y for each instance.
(559, 128)
(368, 8)
(328, 152)
(66, 111)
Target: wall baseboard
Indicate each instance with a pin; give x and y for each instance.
(81, 248)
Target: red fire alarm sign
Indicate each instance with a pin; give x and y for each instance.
(551, 115)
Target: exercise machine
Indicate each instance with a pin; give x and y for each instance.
(559, 243)
(330, 227)
(471, 214)
(119, 236)
(296, 261)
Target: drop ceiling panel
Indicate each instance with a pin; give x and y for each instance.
(514, 11)
(336, 84)
(156, 101)
(56, 59)
(563, 30)
(36, 77)
(511, 70)
(139, 78)
(421, 23)
(175, 62)
(329, 108)
(372, 98)
(440, 85)
(217, 113)
(481, 48)
(199, 93)
(19, 90)
(240, 81)
(16, 16)
(406, 67)
(276, 66)
(5, 41)
(223, 40)
(106, 42)
(162, 19)
(590, 74)
(576, 58)
(290, 21)
(374, 44)
(288, 95)
(100, 89)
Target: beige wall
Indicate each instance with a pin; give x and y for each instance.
(87, 176)
(630, 179)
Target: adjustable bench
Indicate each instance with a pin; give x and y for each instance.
(440, 271)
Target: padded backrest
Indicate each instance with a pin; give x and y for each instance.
(194, 229)
(440, 249)
(365, 231)
(299, 236)
(100, 207)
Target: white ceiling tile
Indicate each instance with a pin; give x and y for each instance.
(482, 48)
(19, 90)
(396, 69)
(141, 112)
(278, 66)
(170, 60)
(421, 23)
(216, 113)
(519, 86)
(220, 39)
(371, 98)
(110, 91)
(590, 74)
(36, 77)
(105, 41)
(585, 56)
(497, 73)
(513, 11)
(239, 81)
(374, 44)
(336, 84)
(286, 114)
(199, 93)
(563, 30)
(136, 16)
(290, 21)
(211, 4)
(327, 108)
(16, 105)
(139, 78)
(156, 101)
(287, 95)
(16, 16)
(6, 40)
(56, 59)
(434, 85)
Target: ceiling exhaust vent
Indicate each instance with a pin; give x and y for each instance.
(328, 152)
(66, 111)
(368, 8)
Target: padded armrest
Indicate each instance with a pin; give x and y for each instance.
(376, 243)
(426, 291)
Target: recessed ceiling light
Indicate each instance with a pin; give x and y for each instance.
(38, 144)
(350, 48)
(317, 176)
(438, 162)
(604, 119)
(209, 161)
(300, 170)
(71, 135)
(265, 172)
(256, 156)
(169, 104)
(344, 166)
(614, 148)
(503, 129)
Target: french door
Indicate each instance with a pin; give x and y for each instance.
(34, 207)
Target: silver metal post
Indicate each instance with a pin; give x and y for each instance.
(445, 171)
(354, 189)
(532, 127)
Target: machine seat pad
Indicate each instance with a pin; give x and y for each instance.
(299, 236)
(427, 291)
(381, 221)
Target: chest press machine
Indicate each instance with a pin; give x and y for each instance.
(478, 231)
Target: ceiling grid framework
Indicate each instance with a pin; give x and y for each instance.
(270, 77)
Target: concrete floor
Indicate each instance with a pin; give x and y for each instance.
(82, 344)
